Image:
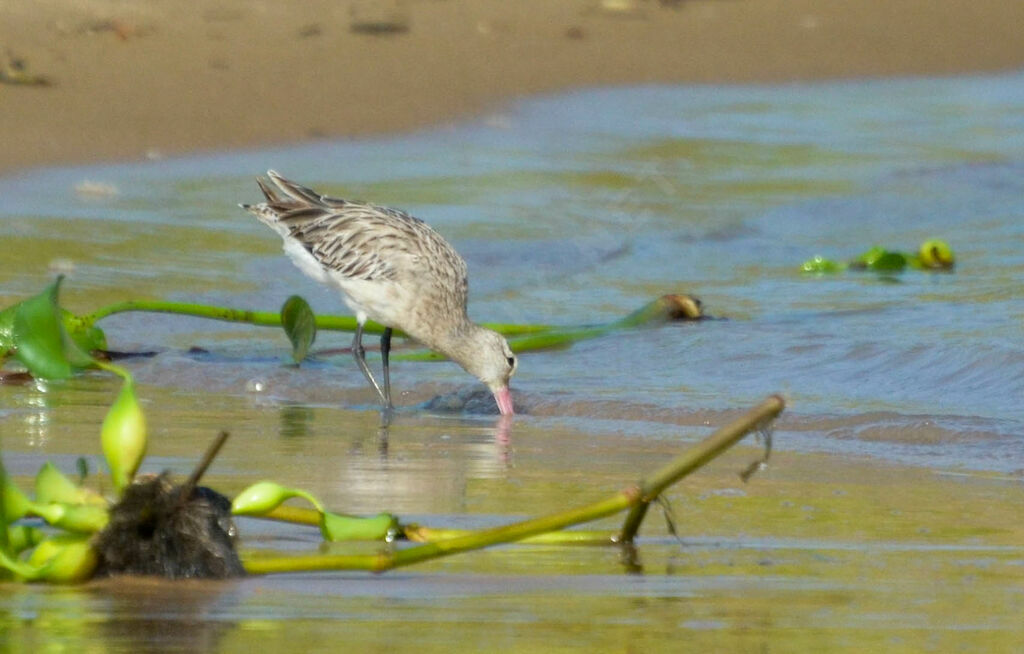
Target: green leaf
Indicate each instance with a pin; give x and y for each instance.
(14, 504)
(7, 329)
(63, 559)
(868, 258)
(4, 481)
(79, 518)
(40, 340)
(888, 262)
(22, 537)
(821, 265)
(300, 325)
(52, 486)
(83, 333)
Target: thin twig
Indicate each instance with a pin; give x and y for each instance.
(185, 490)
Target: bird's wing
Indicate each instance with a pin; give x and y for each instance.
(357, 240)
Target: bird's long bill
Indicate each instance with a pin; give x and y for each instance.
(503, 397)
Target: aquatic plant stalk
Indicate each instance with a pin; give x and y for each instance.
(632, 497)
(225, 314)
(524, 337)
(423, 533)
(708, 449)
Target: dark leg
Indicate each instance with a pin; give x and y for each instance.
(385, 351)
(360, 355)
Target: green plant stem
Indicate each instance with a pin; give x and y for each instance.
(723, 438)
(225, 314)
(523, 337)
(292, 514)
(629, 498)
(423, 533)
(386, 560)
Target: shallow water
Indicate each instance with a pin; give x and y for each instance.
(579, 208)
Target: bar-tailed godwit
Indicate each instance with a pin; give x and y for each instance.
(392, 268)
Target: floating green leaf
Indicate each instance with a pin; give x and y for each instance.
(821, 265)
(80, 518)
(880, 260)
(54, 486)
(22, 537)
(14, 504)
(39, 338)
(63, 559)
(300, 325)
(84, 334)
(866, 259)
(889, 262)
(4, 543)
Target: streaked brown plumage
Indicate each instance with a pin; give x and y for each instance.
(392, 268)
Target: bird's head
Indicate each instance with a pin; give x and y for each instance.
(487, 356)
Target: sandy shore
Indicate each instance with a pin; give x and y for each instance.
(129, 78)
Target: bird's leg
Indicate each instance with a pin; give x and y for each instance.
(385, 351)
(360, 355)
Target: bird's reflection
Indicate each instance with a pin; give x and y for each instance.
(296, 421)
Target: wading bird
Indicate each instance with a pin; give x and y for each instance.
(392, 268)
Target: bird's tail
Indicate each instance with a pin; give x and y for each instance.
(283, 197)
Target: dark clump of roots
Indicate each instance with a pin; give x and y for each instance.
(152, 531)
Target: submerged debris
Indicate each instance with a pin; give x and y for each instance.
(153, 532)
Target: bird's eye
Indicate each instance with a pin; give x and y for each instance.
(511, 362)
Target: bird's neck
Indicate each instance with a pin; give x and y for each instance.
(460, 343)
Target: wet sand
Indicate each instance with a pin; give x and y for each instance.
(144, 78)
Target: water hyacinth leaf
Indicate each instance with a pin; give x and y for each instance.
(869, 257)
(22, 537)
(63, 559)
(7, 329)
(820, 265)
(3, 508)
(81, 518)
(14, 505)
(53, 486)
(300, 325)
(123, 436)
(889, 262)
(335, 527)
(15, 567)
(84, 334)
(40, 340)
